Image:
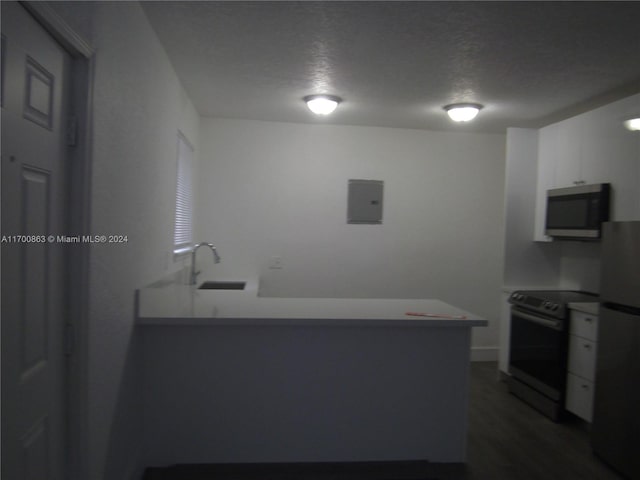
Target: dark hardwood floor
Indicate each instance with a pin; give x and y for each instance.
(508, 440)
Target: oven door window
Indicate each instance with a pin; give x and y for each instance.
(538, 353)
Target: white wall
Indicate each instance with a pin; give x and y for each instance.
(274, 189)
(138, 107)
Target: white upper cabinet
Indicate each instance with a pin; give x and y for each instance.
(568, 168)
(593, 147)
(548, 154)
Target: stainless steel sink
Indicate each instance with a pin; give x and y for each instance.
(215, 285)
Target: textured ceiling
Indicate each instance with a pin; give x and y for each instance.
(396, 64)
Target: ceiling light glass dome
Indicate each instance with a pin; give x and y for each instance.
(322, 104)
(462, 112)
(633, 124)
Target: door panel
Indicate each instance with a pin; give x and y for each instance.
(33, 294)
(38, 98)
(34, 99)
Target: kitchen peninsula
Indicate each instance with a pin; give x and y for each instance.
(229, 376)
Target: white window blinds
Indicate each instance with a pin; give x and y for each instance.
(183, 230)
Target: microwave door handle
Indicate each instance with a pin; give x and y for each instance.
(555, 324)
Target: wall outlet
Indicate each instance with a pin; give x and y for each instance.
(275, 263)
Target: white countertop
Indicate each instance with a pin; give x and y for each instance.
(174, 304)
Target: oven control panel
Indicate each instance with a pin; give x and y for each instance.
(552, 303)
(537, 303)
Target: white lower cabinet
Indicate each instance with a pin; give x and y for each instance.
(582, 357)
(579, 399)
(581, 367)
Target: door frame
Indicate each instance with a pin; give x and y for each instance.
(78, 209)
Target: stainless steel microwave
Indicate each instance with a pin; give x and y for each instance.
(577, 213)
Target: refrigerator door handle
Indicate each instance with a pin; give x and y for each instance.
(621, 308)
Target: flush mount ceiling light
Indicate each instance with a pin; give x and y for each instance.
(633, 124)
(322, 104)
(462, 112)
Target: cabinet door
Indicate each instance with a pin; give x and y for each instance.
(579, 399)
(570, 146)
(600, 160)
(582, 357)
(547, 159)
(584, 325)
(610, 152)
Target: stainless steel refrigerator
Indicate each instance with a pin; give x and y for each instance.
(615, 432)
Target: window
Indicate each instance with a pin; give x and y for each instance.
(183, 229)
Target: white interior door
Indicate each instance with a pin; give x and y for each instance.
(34, 96)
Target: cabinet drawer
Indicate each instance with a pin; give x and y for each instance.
(579, 399)
(584, 325)
(582, 357)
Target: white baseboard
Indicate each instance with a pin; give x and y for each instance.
(484, 354)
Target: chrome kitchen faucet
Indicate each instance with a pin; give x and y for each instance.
(216, 259)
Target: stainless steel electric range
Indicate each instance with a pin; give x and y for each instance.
(538, 346)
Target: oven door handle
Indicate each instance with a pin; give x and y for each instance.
(555, 324)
